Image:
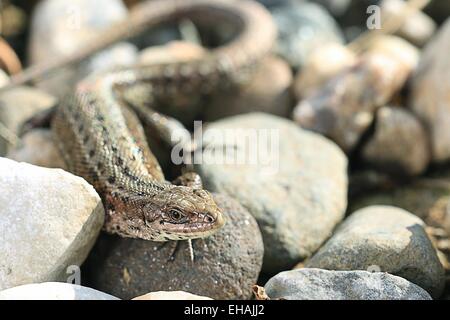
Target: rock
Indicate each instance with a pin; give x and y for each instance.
(317, 284)
(60, 28)
(429, 96)
(4, 79)
(171, 295)
(49, 220)
(399, 144)
(427, 198)
(343, 109)
(18, 105)
(324, 63)
(226, 264)
(258, 94)
(386, 239)
(417, 28)
(294, 184)
(53, 291)
(37, 147)
(302, 27)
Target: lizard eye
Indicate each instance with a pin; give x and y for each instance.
(175, 215)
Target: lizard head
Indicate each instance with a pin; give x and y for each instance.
(181, 213)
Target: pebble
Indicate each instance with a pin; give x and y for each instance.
(408, 153)
(429, 97)
(297, 189)
(417, 28)
(49, 220)
(18, 105)
(386, 239)
(303, 26)
(60, 28)
(324, 63)
(258, 94)
(53, 291)
(38, 147)
(318, 284)
(343, 109)
(171, 295)
(226, 264)
(428, 198)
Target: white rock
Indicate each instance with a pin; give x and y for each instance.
(60, 27)
(171, 295)
(430, 100)
(49, 220)
(54, 291)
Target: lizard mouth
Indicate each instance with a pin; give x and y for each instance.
(197, 229)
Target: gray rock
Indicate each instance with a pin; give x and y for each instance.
(171, 295)
(226, 264)
(38, 147)
(428, 198)
(49, 220)
(258, 94)
(59, 28)
(296, 189)
(18, 105)
(429, 97)
(386, 239)
(318, 284)
(53, 291)
(399, 144)
(302, 27)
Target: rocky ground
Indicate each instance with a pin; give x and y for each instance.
(355, 204)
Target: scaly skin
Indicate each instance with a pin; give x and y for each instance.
(102, 139)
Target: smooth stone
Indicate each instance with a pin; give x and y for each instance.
(258, 94)
(417, 29)
(53, 291)
(171, 295)
(18, 105)
(49, 220)
(296, 190)
(428, 198)
(344, 108)
(303, 26)
(386, 239)
(318, 284)
(399, 144)
(226, 264)
(4, 78)
(60, 28)
(429, 98)
(324, 63)
(38, 147)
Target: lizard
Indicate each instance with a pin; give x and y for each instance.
(99, 127)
